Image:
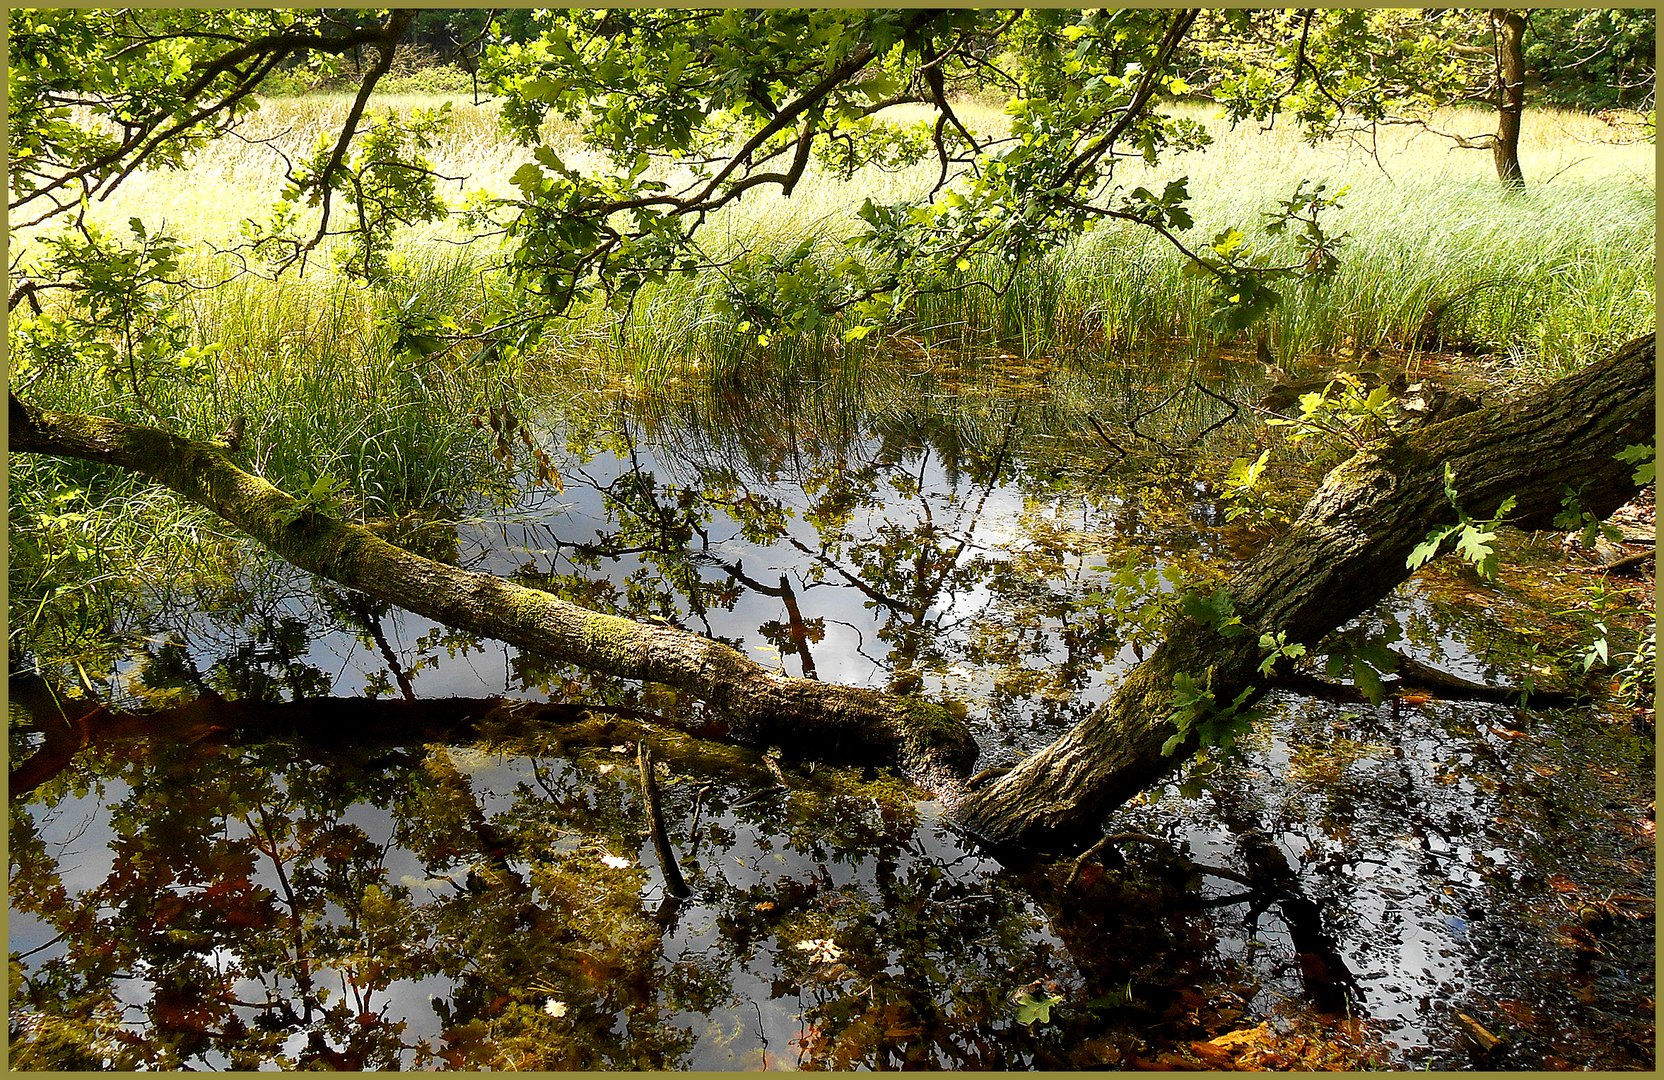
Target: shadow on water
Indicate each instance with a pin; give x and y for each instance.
(296, 827)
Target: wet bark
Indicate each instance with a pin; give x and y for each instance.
(805, 717)
(1345, 553)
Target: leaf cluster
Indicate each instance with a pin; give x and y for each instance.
(1346, 409)
(122, 317)
(1338, 70)
(96, 94)
(1197, 712)
(1474, 540)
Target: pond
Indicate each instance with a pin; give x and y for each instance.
(312, 830)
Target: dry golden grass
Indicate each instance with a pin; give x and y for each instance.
(1425, 220)
(235, 179)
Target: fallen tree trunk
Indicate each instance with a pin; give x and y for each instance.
(1345, 553)
(805, 717)
(325, 728)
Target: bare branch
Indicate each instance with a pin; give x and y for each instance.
(387, 43)
(144, 137)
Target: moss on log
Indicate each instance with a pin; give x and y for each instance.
(806, 718)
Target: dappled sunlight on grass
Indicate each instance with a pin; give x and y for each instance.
(1433, 252)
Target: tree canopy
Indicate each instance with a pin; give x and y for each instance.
(687, 112)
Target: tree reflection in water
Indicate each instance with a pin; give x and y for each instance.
(215, 865)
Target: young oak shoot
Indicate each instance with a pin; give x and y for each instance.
(1474, 539)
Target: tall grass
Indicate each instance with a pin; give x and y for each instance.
(1542, 279)
(316, 369)
(1549, 275)
(1434, 253)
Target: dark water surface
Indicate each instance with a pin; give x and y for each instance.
(400, 880)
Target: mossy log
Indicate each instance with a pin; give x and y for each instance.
(1345, 553)
(805, 717)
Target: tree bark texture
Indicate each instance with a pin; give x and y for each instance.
(1345, 553)
(1509, 28)
(806, 718)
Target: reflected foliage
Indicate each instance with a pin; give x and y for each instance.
(214, 865)
(491, 905)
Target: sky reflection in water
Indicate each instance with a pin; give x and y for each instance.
(453, 899)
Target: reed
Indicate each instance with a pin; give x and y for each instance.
(1434, 250)
(1434, 255)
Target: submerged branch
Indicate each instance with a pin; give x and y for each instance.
(674, 884)
(1413, 675)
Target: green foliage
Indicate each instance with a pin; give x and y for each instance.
(123, 317)
(97, 94)
(69, 69)
(1573, 516)
(1474, 539)
(85, 547)
(1197, 711)
(1637, 678)
(775, 294)
(1346, 409)
(1315, 247)
(1216, 612)
(656, 88)
(685, 113)
(1364, 661)
(1243, 275)
(1332, 69)
(430, 79)
(1601, 642)
(1593, 57)
(386, 185)
(669, 85)
(1242, 497)
(1644, 458)
(1131, 597)
(1277, 647)
(1033, 1010)
(322, 497)
(1597, 651)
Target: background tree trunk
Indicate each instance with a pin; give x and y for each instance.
(1345, 553)
(1509, 28)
